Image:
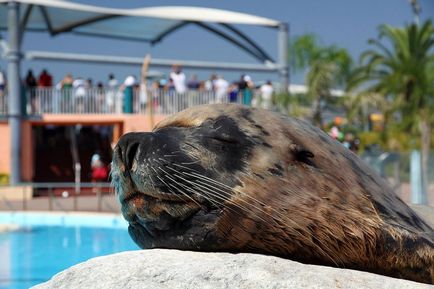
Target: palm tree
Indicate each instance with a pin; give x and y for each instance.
(402, 70)
(326, 67)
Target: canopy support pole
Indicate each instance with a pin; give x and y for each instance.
(282, 44)
(14, 91)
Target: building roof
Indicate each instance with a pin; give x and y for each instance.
(145, 24)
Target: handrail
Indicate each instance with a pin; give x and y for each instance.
(8, 204)
(51, 196)
(61, 184)
(106, 100)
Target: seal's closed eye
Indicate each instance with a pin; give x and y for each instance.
(225, 139)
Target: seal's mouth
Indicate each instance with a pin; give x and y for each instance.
(169, 197)
(156, 213)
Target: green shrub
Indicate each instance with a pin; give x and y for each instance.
(4, 179)
(370, 138)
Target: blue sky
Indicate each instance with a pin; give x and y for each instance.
(346, 23)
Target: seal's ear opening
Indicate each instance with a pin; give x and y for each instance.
(304, 156)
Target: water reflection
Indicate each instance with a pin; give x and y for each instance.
(32, 255)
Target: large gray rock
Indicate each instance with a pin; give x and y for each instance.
(180, 269)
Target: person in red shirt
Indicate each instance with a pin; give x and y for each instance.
(45, 79)
(99, 170)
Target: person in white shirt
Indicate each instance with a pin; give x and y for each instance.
(209, 84)
(112, 95)
(266, 95)
(2, 83)
(130, 80)
(178, 78)
(221, 89)
(112, 81)
(2, 90)
(79, 87)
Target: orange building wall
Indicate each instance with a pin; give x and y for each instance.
(122, 123)
(26, 150)
(137, 123)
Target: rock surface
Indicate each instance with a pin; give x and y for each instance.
(181, 269)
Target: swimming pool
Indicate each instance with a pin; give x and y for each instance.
(47, 243)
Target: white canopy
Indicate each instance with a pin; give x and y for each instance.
(146, 24)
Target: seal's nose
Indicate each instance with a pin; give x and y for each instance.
(128, 146)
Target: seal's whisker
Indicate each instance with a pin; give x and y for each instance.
(112, 190)
(207, 191)
(183, 193)
(190, 163)
(213, 194)
(173, 185)
(226, 193)
(215, 182)
(204, 195)
(150, 177)
(161, 180)
(188, 189)
(219, 196)
(223, 195)
(246, 208)
(184, 167)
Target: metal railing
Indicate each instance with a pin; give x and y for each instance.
(60, 197)
(40, 101)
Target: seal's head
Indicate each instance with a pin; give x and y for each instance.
(180, 174)
(231, 178)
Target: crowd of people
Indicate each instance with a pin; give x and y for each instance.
(338, 131)
(75, 89)
(241, 90)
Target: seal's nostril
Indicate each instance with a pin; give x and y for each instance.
(130, 154)
(128, 146)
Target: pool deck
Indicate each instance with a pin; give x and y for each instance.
(107, 203)
(4, 228)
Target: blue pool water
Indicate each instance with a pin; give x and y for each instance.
(46, 244)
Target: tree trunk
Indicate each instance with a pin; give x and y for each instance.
(317, 114)
(425, 129)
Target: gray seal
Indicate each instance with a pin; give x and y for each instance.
(226, 177)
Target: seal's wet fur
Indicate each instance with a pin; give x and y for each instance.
(231, 178)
